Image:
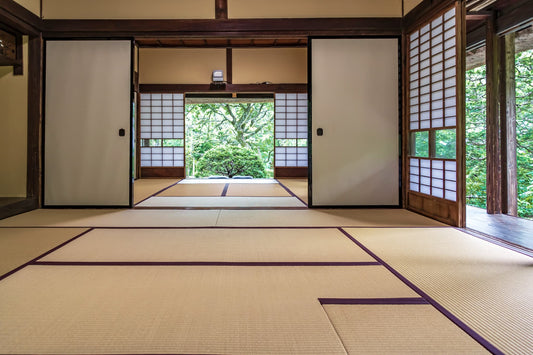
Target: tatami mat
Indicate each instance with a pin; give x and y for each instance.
(225, 218)
(216, 245)
(112, 218)
(21, 245)
(194, 190)
(399, 329)
(486, 286)
(193, 310)
(297, 187)
(144, 188)
(270, 190)
(227, 181)
(326, 218)
(222, 202)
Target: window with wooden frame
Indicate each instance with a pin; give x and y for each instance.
(162, 129)
(432, 108)
(290, 131)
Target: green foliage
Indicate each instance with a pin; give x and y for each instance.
(420, 144)
(445, 143)
(524, 132)
(476, 165)
(230, 161)
(476, 139)
(247, 125)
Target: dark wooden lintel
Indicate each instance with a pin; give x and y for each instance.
(290, 172)
(162, 172)
(240, 28)
(426, 9)
(19, 18)
(229, 88)
(227, 44)
(478, 15)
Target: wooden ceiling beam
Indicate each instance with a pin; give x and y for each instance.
(241, 28)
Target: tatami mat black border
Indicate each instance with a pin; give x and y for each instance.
(44, 254)
(204, 263)
(158, 192)
(290, 192)
(374, 301)
(225, 227)
(477, 337)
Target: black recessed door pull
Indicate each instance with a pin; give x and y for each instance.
(319, 132)
(122, 132)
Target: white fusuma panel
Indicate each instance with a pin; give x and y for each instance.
(87, 104)
(355, 162)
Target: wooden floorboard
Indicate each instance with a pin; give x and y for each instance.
(518, 231)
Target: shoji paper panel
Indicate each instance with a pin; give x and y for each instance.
(162, 118)
(433, 82)
(291, 130)
(432, 99)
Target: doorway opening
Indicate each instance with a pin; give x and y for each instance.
(476, 129)
(493, 206)
(229, 135)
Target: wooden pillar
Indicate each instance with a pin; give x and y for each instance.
(508, 125)
(229, 65)
(35, 110)
(18, 69)
(494, 171)
(221, 9)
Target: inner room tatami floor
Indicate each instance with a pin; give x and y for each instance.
(272, 281)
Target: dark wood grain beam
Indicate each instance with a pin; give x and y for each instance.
(476, 37)
(19, 18)
(515, 17)
(239, 28)
(166, 88)
(299, 44)
(426, 9)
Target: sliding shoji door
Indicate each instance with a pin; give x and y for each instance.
(290, 135)
(87, 136)
(435, 111)
(162, 135)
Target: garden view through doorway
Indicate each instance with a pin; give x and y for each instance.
(229, 137)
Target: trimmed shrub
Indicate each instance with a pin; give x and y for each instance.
(230, 161)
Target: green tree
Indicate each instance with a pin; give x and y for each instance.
(476, 166)
(524, 132)
(248, 125)
(476, 134)
(230, 162)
